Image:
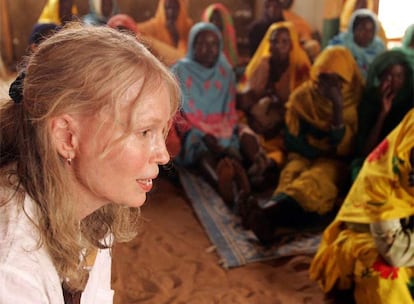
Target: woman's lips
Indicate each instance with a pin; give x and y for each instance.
(145, 184)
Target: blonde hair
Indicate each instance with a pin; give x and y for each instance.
(79, 70)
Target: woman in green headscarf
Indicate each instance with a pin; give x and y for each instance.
(387, 97)
(407, 45)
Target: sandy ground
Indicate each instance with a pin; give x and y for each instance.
(171, 261)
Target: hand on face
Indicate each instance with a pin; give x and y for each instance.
(387, 95)
(330, 86)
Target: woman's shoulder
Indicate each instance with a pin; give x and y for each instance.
(22, 260)
(18, 232)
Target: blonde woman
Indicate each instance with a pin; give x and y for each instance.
(82, 138)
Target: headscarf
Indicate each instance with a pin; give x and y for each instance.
(50, 12)
(381, 190)
(156, 26)
(95, 16)
(370, 106)
(208, 94)
(229, 33)
(405, 48)
(307, 104)
(348, 9)
(123, 20)
(363, 56)
(299, 64)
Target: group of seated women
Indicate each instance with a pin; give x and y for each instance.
(329, 135)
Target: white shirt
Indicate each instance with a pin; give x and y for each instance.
(27, 274)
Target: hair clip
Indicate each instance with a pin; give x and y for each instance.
(16, 88)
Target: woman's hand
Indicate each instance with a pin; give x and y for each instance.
(387, 96)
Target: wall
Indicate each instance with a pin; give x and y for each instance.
(24, 13)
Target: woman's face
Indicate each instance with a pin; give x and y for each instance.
(206, 48)
(280, 44)
(122, 172)
(395, 75)
(274, 10)
(172, 8)
(217, 20)
(364, 32)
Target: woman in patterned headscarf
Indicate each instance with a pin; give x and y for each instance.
(321, 124)
(368, 247)
(210, 130)
(350, 6)
(363, 46)
(100, 11)
(170, 24)
(218, 14)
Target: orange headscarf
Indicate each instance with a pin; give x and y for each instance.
(156, 26)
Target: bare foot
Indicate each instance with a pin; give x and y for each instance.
(225, 174)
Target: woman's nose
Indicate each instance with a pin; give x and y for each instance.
(161, 155)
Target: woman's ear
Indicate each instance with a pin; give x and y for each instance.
(65, 135)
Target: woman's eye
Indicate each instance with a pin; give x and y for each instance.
(145, 133)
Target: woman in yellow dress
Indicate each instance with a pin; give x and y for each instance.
(368, 248)
(321, 124)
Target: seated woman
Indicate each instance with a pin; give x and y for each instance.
(170, 24)
(219, 15)
(278, 11)
(278, 67)
(58, 12)
(100, 11)
(350, 6)
(321, 124)
(210, 130)
(387, 97)
(361, 39)
(368, 249)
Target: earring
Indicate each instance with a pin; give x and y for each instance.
(69, 160)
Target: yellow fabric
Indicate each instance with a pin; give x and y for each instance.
(347, 259)
(380, 192)
(164, 52)
(308, 104)
(274, 149)
(313, 184)
(258, 67)
(350, 6)
(156, 26)
(332, 9)
(301, 25)
(50, 12)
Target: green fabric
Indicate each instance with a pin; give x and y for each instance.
(330, 28)
(299, 143)
(370, 105)
(405, 45)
